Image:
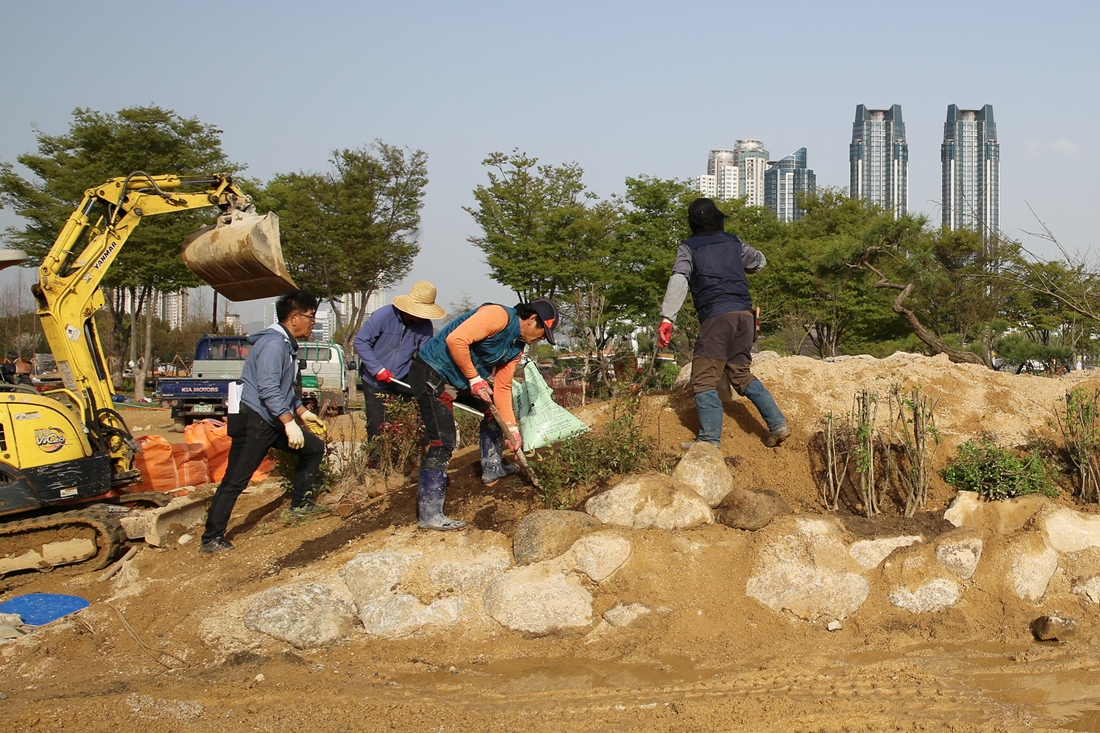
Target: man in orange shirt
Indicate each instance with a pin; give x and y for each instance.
(457, 363)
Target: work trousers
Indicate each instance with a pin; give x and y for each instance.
(724, 346)
(435, 400)
(252, 437)
(374, 405)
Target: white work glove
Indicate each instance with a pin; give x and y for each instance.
(513, 441)
(481, 389)
(294, 434)
(313, 423)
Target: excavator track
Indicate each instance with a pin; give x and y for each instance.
(35, 535)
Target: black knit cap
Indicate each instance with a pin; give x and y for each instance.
(704, 216)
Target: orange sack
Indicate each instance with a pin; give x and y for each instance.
(158, 469)
(214, 437)
(190, 461)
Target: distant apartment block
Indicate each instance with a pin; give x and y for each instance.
(879, 159)
(784, 181)
(970, 160)
(746, 173)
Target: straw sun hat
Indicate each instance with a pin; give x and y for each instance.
(420, 302)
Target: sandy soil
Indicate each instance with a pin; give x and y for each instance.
(150, 654)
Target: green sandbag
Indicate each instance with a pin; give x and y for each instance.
(542, 421)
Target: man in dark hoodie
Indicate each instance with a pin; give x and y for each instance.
(712, 265)
(267, 418)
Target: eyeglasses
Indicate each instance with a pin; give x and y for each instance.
(312, 317)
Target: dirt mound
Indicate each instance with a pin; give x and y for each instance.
(162, 644)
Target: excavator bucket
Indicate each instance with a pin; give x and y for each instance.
(240, 256)
(11, 257)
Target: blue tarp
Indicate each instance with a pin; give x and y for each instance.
(41, 608)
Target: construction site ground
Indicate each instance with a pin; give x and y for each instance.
(143, 657)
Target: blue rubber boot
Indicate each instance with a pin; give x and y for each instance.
(709, 406)
(765, 405)
(429, 502)
(493, 467)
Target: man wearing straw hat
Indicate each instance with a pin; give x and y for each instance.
(386, 345)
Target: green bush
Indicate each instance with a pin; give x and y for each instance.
(995, 472)
(570, 471)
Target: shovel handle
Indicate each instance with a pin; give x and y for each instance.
(520, 457)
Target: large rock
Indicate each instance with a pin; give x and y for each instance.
(650, 500)
(304, 615)
(470, 569)
(935, 595)
(802, 566)
(750, 510)
(546, 534)
(917, 582)
(538, 599)
(869, 553)
(1067, 530)
(396, 616)
(993, 517)
(960, 552)
(374, 574)
(600, 554)
(704, 469)
(1021, 564)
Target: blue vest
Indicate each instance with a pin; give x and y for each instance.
(487, 354)
(717, 281)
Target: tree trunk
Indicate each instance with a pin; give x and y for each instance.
(959, 356)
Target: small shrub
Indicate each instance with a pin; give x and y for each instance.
(995, 472)
(572, 470)
(397, 447)
(1080, 428)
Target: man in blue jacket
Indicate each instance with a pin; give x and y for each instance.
(267, 418)
(386, 345)
(712, 265)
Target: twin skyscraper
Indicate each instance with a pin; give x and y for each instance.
(879, 169)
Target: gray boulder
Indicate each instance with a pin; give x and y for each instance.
(304, 615)
(394, 617)
(538, 599)
(601, 554)
(802, 567)
(750, 510)
(650, 500)
(547, 533)
(704, 469)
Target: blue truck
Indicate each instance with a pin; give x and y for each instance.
(205, 393)
(327, 385)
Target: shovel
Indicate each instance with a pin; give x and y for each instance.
(520, 457)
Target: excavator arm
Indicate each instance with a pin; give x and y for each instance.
(239, 256)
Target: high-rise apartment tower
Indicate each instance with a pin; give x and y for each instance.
(878, 159)
(783, 180)
(970, 160)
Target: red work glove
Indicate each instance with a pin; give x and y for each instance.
(664, 334)
(513, 441)
(384, 375)
(481, 389)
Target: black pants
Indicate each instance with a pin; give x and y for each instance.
(252, 437)
(435, 400)
(374, 405)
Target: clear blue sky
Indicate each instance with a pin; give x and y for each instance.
(621, 88)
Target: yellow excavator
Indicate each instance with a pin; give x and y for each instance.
(66, 455)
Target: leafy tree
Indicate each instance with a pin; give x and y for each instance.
(538, 230)
(811, 278)
(353, 229)
(98, 147)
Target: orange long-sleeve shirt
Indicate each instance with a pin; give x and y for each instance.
(488, 320)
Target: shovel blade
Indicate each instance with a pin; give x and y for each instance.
(240, 256)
